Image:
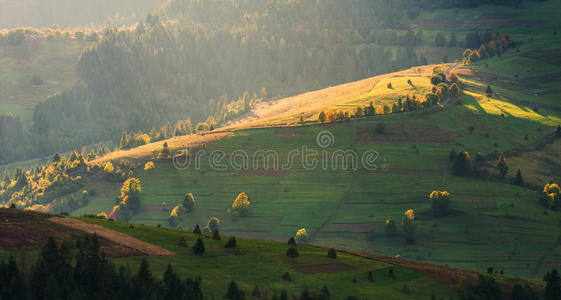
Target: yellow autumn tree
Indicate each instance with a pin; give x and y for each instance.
(241, 204)
(302, 235)
(408, 225)
(108, 168)
(148, 166)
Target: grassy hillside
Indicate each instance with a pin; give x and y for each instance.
(262, 263)
(53, 60)
(252, 264)
(348, 208)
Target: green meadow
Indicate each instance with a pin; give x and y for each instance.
(262, 263)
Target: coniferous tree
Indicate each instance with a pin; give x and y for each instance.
(553, 286)
(6, 177)
(199, 247)
(502, 166)
(518, 180)
(234, 292)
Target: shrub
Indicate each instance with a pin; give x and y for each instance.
(292, 252)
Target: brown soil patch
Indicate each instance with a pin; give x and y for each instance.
(287, 135)
(155, 208)
(21, 230)
(263, 172)
(361, 227)
(114, 236)
(325, 268)
(403, 171)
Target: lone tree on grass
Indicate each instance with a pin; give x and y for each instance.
(302, 235)
(241, 204)
(502, 166)
(440, 201)
(518, 180)
(463, 164)
(292, 252)
(189, 202)
(199, 247)
(408, 226)
(489, 91)
(212, 224)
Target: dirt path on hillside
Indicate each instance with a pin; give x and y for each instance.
(114, 236)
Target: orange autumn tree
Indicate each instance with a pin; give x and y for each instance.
(241, 204)
(331, 116)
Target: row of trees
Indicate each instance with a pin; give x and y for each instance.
(78, 270)
(484, 44)
(407, 224)
(402, 105)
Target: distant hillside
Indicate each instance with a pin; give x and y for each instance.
(72, 13)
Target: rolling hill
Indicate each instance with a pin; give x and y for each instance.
(345, 275)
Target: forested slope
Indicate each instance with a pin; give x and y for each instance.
(71, 13)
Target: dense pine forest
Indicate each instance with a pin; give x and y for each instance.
(71, 13)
